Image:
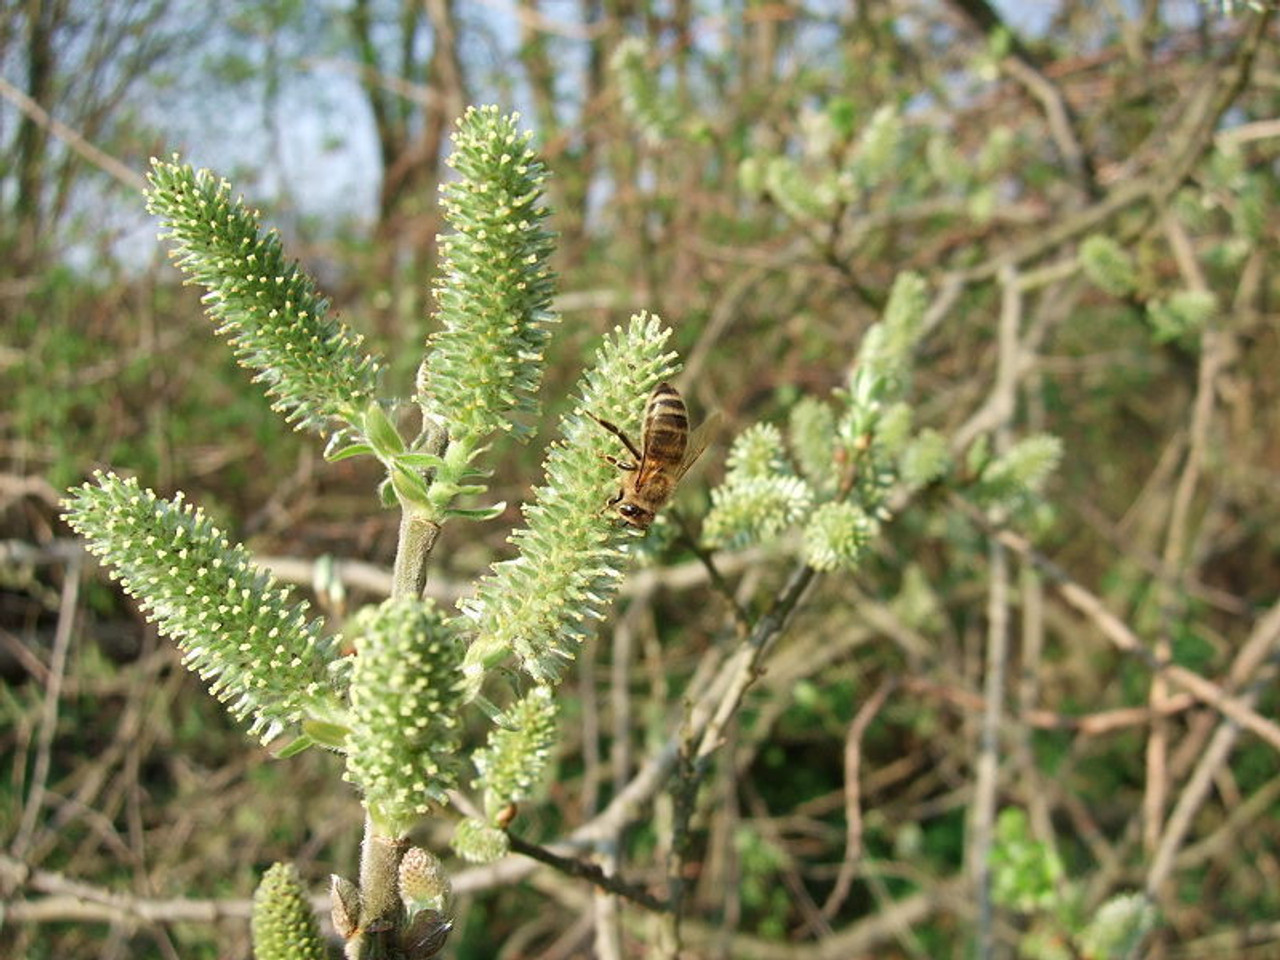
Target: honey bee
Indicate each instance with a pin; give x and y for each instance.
(667, 451)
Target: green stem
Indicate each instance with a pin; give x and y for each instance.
(382, 913)
(417, 539)
(418, 532)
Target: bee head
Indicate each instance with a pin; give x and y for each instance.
(634, 516)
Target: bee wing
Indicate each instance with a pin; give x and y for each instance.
(698, 441)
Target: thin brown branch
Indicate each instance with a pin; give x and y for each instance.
(65, 899)
(689, 539)
(1177, 153)
(72, 138)
(853, 796)
(590, 872)
(1096, 724)
(1123, 639)
(49, 713)
(1213, 358)
(1262, 645)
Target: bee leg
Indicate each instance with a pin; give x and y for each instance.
(611, 502)
(617, 432)
(620, 464)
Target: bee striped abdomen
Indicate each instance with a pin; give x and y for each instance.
(664, 454)
(666, 425)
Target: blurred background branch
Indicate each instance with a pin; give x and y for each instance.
(1100, 177)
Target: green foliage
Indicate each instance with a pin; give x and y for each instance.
(284, 926)
(1020, 473)
(1181, 316)
(762, 893)
(569, 556)
(89, 388)
(1107, 264)
(760, 496)
(266, 307)
(405, 698)
(1118, 927)
(846, 454)
(1026, 874)
(482, 370)
(236, 629)
(650, 108)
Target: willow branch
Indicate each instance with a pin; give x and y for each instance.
(72, 138)
(1123, 639)
(590, 872)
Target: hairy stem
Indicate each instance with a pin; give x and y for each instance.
(418, 535)
(380, 856)
(382, 913)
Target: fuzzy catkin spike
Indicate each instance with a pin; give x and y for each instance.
(881, 375)
(835, 535)
(236, 629)
(284, 928)
(513, 763)
(877, 155)
(893, 431)
(266, 307)
(1020, 472)
(802, 194)
(755, 510)
(925, 459)
(569, 556)
(405, 727)
(901, 324)
(479, 842)
(493, 294)
(760, 496)
(812, 432)
(1182, 315)
(756, 453)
